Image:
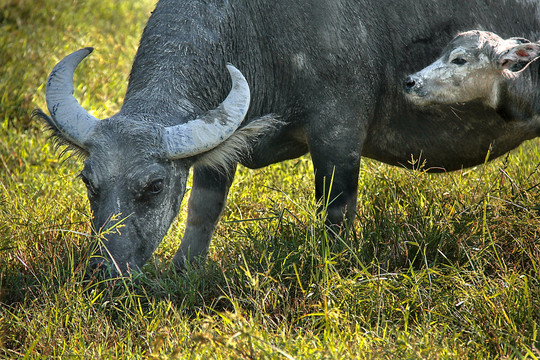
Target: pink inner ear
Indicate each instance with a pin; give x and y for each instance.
(522, 53)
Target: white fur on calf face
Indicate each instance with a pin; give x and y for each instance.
(461, 74)
(472, 67)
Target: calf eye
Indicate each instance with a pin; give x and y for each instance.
(154, 188)
(459, 61)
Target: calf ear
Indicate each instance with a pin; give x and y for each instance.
(518, 57)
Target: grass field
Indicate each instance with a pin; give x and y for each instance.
(441, 267)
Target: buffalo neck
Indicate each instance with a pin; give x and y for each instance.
(519, 97)
(187, 76)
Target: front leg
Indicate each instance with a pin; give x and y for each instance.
(336, 148)
(206, 203)
(336, 183)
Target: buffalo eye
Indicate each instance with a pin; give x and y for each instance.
(459, 61)
(154, 188)
(89, 187)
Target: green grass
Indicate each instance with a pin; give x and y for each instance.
(440, 267)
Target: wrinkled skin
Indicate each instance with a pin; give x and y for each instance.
(331, 71)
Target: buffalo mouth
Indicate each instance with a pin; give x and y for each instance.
(101, 268)
(110, 259)
(103, 265)
(419, 97)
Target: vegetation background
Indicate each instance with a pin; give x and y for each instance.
(441, 266)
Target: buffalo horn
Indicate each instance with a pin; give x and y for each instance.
(69, 117)
(215, 126)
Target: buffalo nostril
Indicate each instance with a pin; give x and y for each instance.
(409, 83)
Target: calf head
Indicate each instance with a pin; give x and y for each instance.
(136, 169)
(471, 67)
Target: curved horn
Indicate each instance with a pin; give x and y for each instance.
(214, 127)
(69, 117)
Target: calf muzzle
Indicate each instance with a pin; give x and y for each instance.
(412, 84)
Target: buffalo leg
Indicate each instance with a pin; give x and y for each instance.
(206, 203)
(336, 189)
(336, 166)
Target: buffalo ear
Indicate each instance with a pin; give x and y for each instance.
(518, 57)
(58, 136)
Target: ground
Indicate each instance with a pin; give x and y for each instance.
(438, 266)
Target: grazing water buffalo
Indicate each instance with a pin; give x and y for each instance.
(319, 76)
(480, 65)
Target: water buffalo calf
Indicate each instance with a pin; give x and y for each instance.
(481, 66)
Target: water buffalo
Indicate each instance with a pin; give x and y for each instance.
(319, 76)
(480, 65)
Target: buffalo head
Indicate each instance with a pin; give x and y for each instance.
(136, 168)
